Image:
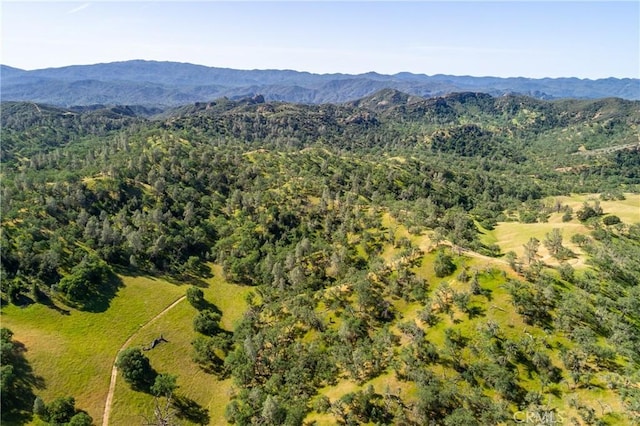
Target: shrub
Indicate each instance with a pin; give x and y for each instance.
(136, 369)
(207, 323)
(195, 297)
(61, 410)
(81, 419)
(611, 220)
(443, 265)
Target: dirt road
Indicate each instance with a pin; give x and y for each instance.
(114, 369)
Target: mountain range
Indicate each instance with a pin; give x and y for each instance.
(162, 84)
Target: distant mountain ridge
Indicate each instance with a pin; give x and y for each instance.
(152, 83)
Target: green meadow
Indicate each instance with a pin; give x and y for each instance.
(73, 351)
(173, 357)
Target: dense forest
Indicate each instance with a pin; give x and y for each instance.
(303, 204)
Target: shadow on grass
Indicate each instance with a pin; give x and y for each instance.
(555, 391)
(186, 280)
(205, 305)
(18, 384)
(22, 300)
(101, 299)
(475, 311)
(488, 293)
(214, 365)
(181, 279)
(188, 409)
(131, 272)
(46, 300)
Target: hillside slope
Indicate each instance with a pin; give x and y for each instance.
(392, 260)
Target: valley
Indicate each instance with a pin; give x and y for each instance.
(391, 260)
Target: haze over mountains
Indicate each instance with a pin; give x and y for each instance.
(154, 83)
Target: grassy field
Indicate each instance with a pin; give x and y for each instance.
(73, 352)
(174, 357)
(628, 209)
(511, 236)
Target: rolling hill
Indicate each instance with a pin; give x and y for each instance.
(394, 259)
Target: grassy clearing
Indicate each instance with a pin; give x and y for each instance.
(486, 236)
(511, 236)
(229, 298)
(628, 210)
(175, 357)
(74, 353)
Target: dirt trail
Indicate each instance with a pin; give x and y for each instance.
(608, 150)
(477, 255)
(114, 369)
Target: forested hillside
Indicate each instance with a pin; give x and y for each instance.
(339, 261)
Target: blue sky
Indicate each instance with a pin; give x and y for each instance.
(506, 38)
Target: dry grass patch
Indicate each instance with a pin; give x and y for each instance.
(628, 210)
(512, 236)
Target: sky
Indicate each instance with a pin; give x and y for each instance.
(533, 39)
